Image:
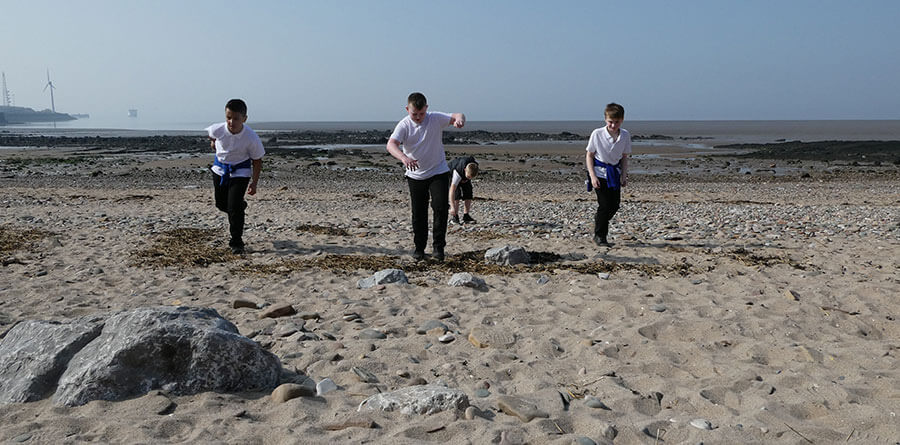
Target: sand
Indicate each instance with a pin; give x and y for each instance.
(737, 292)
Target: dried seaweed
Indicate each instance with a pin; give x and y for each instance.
(322, 230)
(12, 239)
(190, 247)
(752, 259)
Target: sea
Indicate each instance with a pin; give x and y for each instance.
(694, 134)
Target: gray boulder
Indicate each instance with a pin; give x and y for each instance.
(33, 355)
(420, 399)
(178, 349)
(385, 276)
(465, 279)
(507, 255)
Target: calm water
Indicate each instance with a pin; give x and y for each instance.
(704, 132)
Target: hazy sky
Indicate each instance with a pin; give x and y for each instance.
(179, 61)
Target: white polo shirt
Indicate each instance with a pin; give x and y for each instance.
(608, 150)
(423, 143)
(235, 148)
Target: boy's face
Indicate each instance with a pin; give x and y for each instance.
(235, 121)
(416, 114)
(613, 124)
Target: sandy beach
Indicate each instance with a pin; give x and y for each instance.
(745, 300)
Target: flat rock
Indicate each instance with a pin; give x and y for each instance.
(364, 375)
(465, 279)
(422, 399)
(703, 424)
(386, 276)
(278, 310)
(325, 386)
(430, 325)
(484, 337)
(507, 255)
(288, 391)
(521, 408)
(240, 303)
(372, 334)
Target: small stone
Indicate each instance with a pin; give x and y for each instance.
(507, 255)
(239, 303)
(351, 316)
(418, 381)
(658, 308)
(703, 424)
(288, 391)
(21, 438)
(581, 440)
(431, 325)
(326, 385)
(372, 334)
(587, 342)
(792, 295)
(443, 315)
(446, 338)
(543, 279)
(386, 276)
(482, 393)
(593, 402)
(436, 332)
(603, 275)
(404, 374)
(524, 410)
(363, 375)
(483, 337)
(465, 279)
(281, 310)
(309, 315)
(470, 413)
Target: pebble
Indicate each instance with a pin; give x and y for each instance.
(363, 375)
(658, 308)
(280, 310)
(443, 315)
(325, 386)
(446, 338)
(543, 279)
(524, 410)
(403, 374)
(603, 275)
(470, 413)
(703, 424)
(288, 391)
(240, 303)
(482, 393)
(372, 334)
(351, 316)
(21, 438)
(593, 402)
(581, 440)
(431, 325)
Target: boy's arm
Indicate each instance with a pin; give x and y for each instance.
(393, 147)
(624, 162)
(212, 142)
(454, 203)
(457, 120)
(254, 179)
(589, 164)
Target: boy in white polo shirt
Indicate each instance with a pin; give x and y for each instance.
(236, 167)
(607, 164)
(427, 174)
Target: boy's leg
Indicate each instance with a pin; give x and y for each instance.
(237, 187)
(440, 206)
(418, 198)
(220, 193)
(607, 206)
(467, 197)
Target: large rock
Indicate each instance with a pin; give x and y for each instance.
(507, 255)
(465, 279)
(422, 399)
(178, 349)
(385, 276)
(35, 353)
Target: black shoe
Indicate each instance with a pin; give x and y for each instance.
(419, 255)
(438, 256)
(237, 250)
(468, 219)
(602, 242)
(455, 219)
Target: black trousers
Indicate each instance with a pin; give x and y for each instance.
(230, 199)
(607, 205)
(437, 188)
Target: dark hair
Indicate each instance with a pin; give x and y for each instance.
(417, 100)
(237, 105)
(615, 111)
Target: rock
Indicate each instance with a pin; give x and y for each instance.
(239, 303)
(703, 424)
(543, 279)
(603, 275)
(309, 315)
(482, 393)
(425, 399)
(33, 355)
(385, 276)
(279, 310)
(581, 440)
(288, 391)
(484, 337)
(443, 315)
(465, 279)
(658, 308)
(470, 413)
(325, 386)
(363, 375)
(521, 408)
(430, 325)
(182, 350)
(372, 334)
(507, 255)
(446, 338)
(594, 402)
(792, 295)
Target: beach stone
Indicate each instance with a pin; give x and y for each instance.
(703, 424)
(521, 408)
(21, 438)
(182, 350)
(430, 325)
(325, 386)
(465, 279)
(444, 314)
(309, 315)
(371, 334)
(594, 402)
(386, 276)
(482, 393)
(424, 399)
(470, 413)
(581, 440)
(279, 310)
(239, 303)
(288, 391)
(446, 338)
(658, 308)
(364, 375)
(507, 255)
(484, 337)
(792, 295)
(603, 275)
(543, 279)
(33, 355)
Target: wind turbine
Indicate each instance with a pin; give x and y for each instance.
(50, 85)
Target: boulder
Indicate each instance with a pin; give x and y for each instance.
(385, 276)
(178, 349)
(422, 399)
(507, 255)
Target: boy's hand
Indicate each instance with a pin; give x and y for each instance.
(410, 163)
(624, 180)
(458, 120)
(251, 188)
(212, 143)
(595, 181)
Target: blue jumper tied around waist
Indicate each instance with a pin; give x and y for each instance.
(613, 174)
(228, 168)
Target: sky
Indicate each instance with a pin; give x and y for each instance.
(180, 61)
